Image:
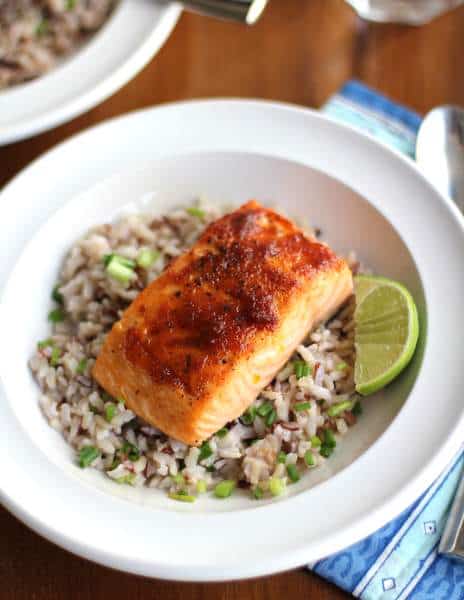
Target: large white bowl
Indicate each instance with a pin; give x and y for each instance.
(364, 197)
(133, 34)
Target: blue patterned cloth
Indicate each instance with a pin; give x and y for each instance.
(400, 560)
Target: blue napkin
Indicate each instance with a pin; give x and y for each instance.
(400, 560)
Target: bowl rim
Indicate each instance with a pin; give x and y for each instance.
(378, 514)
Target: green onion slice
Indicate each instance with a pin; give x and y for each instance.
(276, 486)
(55, 356)
(131, 451)
(248, 416)
(110, 412)
(194, 211)
(293, 473)
(264, 409)
(337, 409)
(326, 451)
(224, 489)
(129, 479)
(147, 257)
(257, 493)
(81, 366)
(119, 268)
(309, 458)
(357, 409)
(281, 457)
(201, 486)
(329, 438)
(45, 343)
(56, 295)
(56, 315)
(315, 441)
(301, 369)
(302, 406)
(270, 418)
(205, 451)
(182, 497)
(87, 455)
(42, 27)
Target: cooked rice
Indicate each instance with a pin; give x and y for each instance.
(131, 451)
(34, 34)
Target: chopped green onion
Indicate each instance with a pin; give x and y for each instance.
(87, 455)
(182, 497)
(56, 295)
(70, 4)
(276, 486)
(121, 401)
(45, 343)
(281, 457)
(302, 406)
(132, 452)
(55, 357)
(110, 412)
(248, 416)
(270, 418)
(264, 409)
(195, 212)
(309, 458)
(357, 409)
(337, 409)
(205, 451)
(301, 369)
(119, 268)
(56, 315)
(122, 260)
(224, 489)
(222, 432)
(329, 439)
(315, 441)
(116, 462)
(326, 451)
(293, 474)
(81, 366)
(179, 478)
(201, 486)
(147, 257)
(129, 479)
(107, 258)
(257, 493)
(42, 28)
(341, 366)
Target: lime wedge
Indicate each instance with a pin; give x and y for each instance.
(386, 332)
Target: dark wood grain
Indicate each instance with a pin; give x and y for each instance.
(301, 52)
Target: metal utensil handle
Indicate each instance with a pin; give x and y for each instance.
(451, 540)
(245, 11)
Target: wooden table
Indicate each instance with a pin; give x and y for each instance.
(301, 51)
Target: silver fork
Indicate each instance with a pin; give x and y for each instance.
(245, 11)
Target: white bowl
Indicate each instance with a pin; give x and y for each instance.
(364, 197)
(132, 35)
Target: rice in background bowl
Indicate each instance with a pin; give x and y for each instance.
(35, 35)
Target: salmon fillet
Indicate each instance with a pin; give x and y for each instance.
(196, 347)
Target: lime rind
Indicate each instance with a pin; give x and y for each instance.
(385, 341)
